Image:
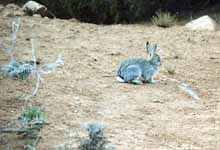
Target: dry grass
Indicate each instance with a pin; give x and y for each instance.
(164, 19)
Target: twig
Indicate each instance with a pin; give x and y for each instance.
(37, 72)
(15, 29)
(185, 87)
(12, 130)
(23, 128)
(189, 90)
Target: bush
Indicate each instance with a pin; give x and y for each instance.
(22, 70)
(102, 11)
(31, 122)
(97, 139)
(163, 19)
(110, 11)
(117, 11)
(96, 11)
(34, 114)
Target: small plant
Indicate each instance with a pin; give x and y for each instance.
(14, 68)
(22, 70)
(33, 114)
(17, 70)
(96, 140)
(171, 70)
(163, 19)
(32, 120)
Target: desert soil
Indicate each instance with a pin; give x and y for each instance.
(157, 116)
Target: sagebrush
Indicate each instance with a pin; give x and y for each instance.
(96, 138)
(164, 19)
(23, 70)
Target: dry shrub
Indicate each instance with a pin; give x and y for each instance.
(163, 19)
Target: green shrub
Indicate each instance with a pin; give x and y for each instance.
(97, 139)
(31, 122)
(34, 114)
(163, 19)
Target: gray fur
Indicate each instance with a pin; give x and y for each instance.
(134, 70)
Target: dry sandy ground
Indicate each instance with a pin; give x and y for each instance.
(148, 117)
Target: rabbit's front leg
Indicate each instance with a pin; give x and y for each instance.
(137, 81)
(152, 81)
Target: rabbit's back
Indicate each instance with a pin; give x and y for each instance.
(139, 70)
(132, 69)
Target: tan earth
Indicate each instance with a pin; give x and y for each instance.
(157, 116)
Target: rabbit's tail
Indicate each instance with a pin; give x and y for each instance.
(119, 79)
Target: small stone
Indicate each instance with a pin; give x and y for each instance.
(115, 53)
(37, 15)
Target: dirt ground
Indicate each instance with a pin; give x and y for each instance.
(146, 117)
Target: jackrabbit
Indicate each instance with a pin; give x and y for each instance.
(137, 71)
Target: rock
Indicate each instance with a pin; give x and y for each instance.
(32, 7)
(12, 7)
(202, 23)
(7, 14)
(1, 8)
(11, 10)
(12, 13)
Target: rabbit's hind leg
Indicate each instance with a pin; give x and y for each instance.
(133, 74)
(130, 74)
(137, 81)
(151, 80)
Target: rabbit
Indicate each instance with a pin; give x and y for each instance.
(137, 71)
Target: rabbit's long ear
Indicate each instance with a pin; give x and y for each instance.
(148, 47)
(153, 51)
(148, 50)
